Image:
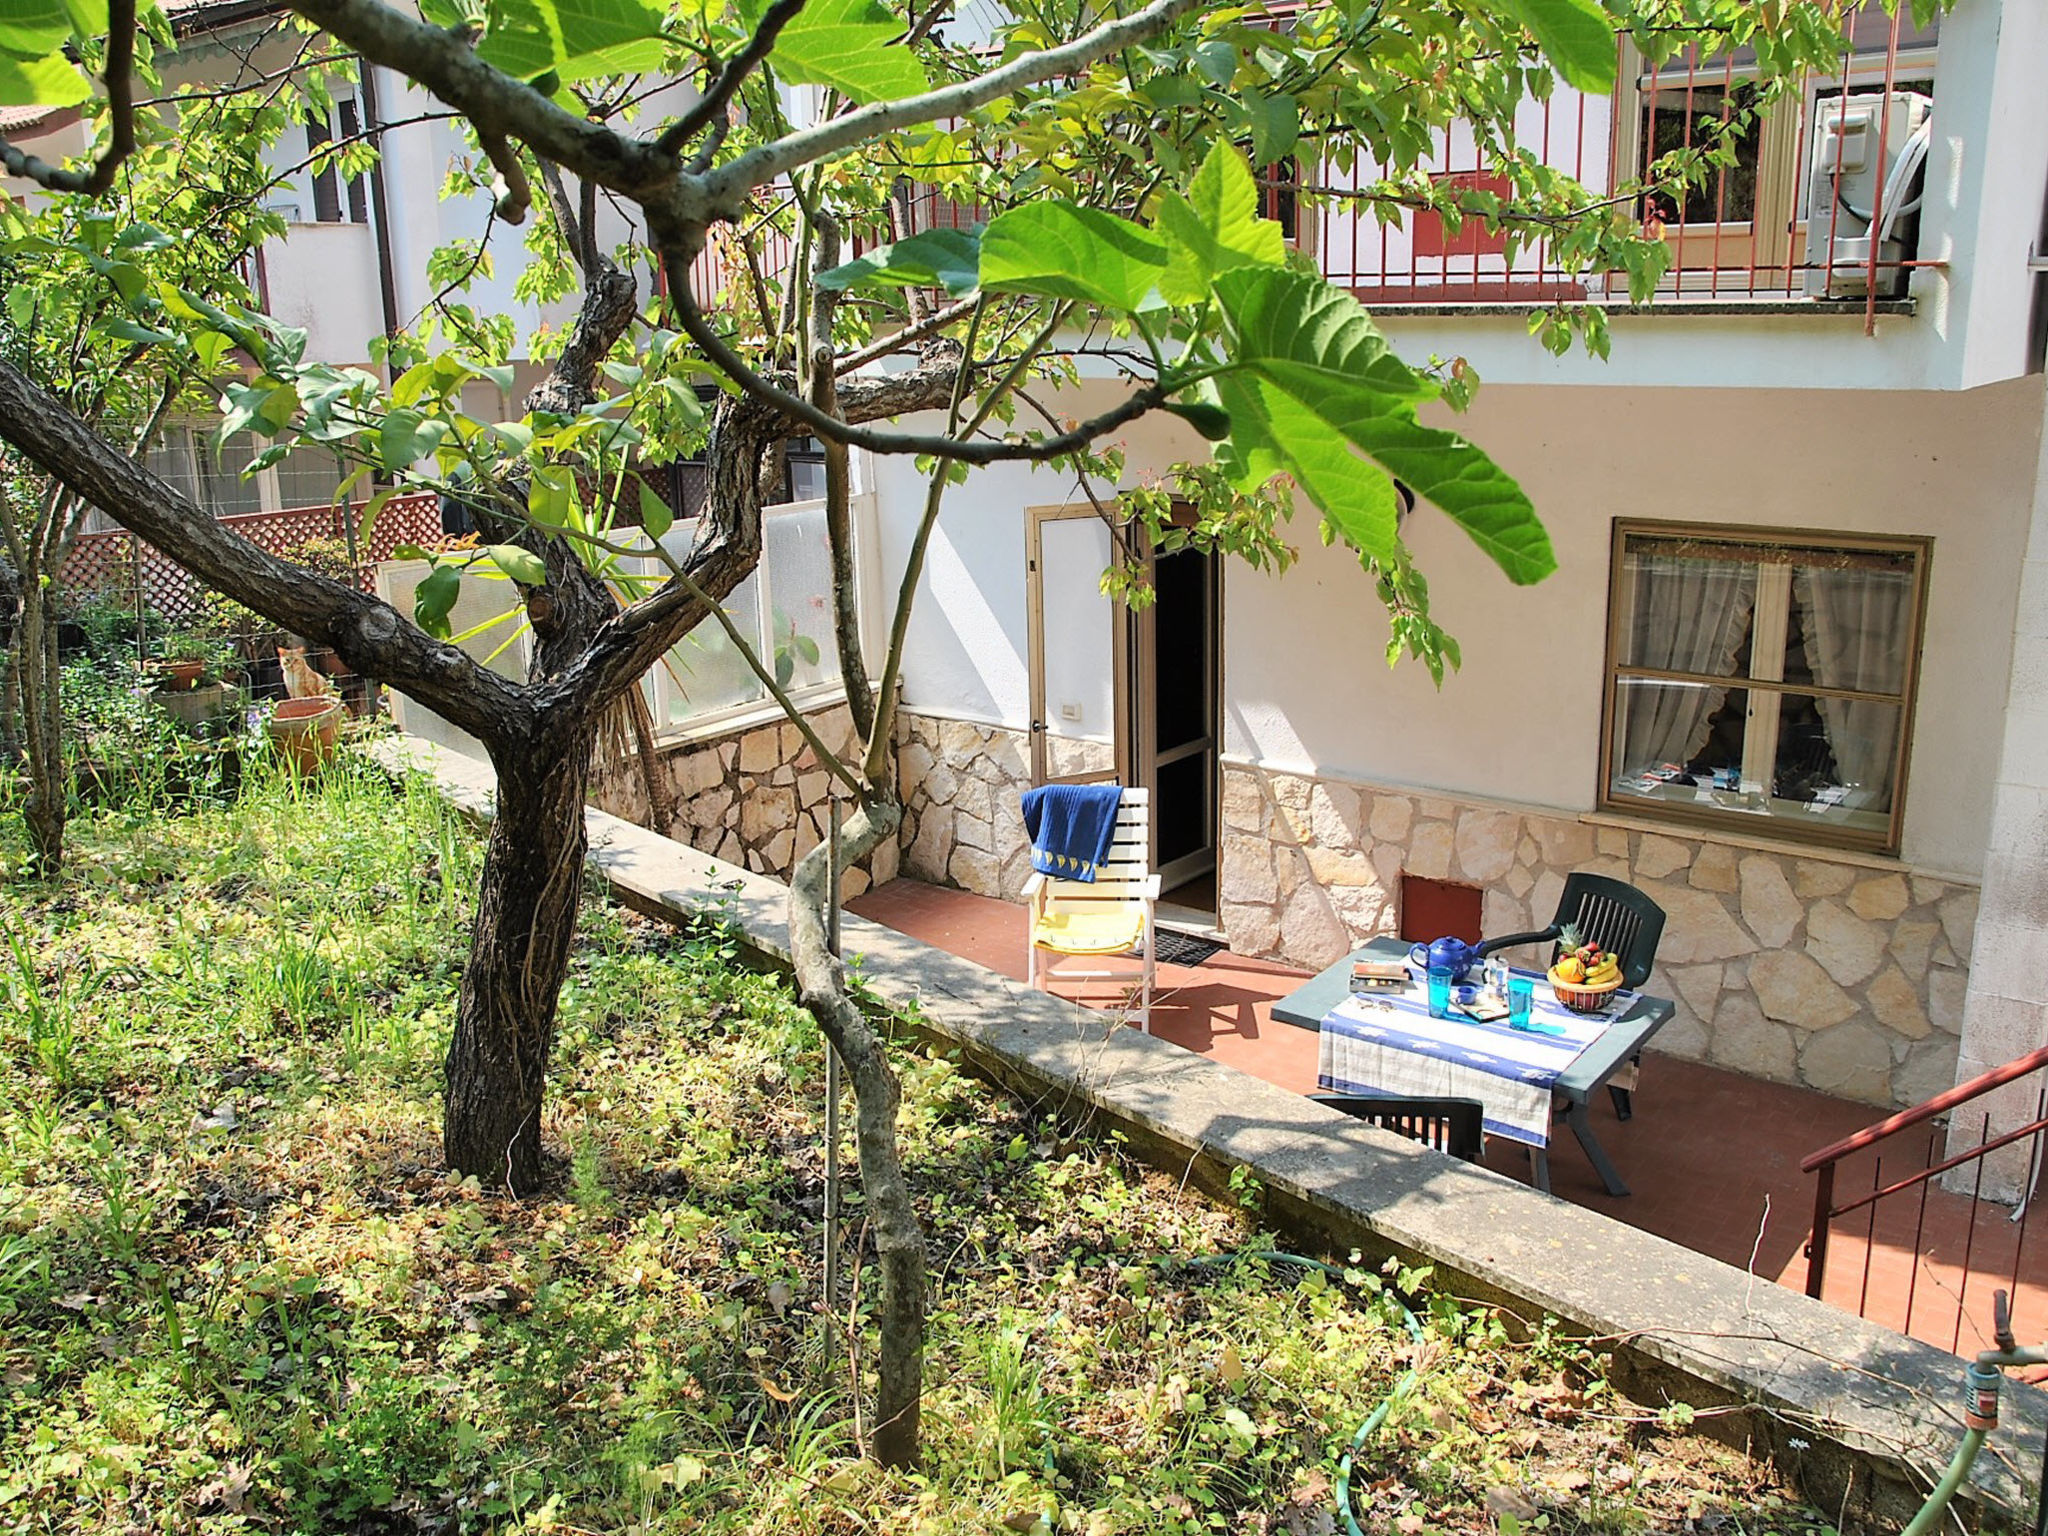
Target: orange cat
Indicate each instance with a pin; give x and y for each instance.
(300, 680)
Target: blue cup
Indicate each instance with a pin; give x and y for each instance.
(1521, 998)
(1439, 994)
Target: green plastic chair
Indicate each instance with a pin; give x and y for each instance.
(1617, 917)
(1453, 1126)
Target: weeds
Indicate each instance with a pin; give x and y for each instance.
(237, 1291)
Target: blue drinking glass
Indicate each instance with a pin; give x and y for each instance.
(1521, 998)
(1439, 994)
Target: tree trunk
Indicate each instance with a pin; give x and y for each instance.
(42, 728)
(899, 1239)
(10, 662)
(519, 951)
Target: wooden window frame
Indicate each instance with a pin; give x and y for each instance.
(1746, 824)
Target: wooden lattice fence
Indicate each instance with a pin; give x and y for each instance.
(134, 574)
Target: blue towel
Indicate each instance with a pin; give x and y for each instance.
(1070, 827)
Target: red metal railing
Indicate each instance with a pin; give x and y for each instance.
(1745, 233)
(1947, 1247)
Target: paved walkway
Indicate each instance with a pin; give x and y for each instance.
(1712, 1157)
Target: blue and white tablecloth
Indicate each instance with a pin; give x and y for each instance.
(1387, 1045)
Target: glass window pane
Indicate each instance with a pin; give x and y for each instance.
(1686, 613)
(171, 460)
(1837, 758)
(1761, 753)
(1855, 622)
(798, 554)
(806, 460)
(705, 672)
(227, 494)
(1687, 115)
(308, 477)
(1661, 731)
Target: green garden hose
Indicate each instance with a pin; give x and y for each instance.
(1378, 1416)
(1931, 1513)
(1983, 1378)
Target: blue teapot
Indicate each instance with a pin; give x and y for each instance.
(1447, 954)
(1458, 957)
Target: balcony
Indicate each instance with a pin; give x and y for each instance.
(1772, 281)
(1785, 224)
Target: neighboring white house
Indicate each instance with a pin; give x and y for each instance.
(1791, 676)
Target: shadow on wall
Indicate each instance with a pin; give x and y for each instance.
(757, 797)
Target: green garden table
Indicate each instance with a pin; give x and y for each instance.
(1618, 1046)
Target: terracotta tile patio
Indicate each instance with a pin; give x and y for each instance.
(1712, 1157)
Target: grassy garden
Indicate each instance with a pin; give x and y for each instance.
(237, 1292)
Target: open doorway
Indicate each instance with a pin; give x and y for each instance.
(1131, 694)
(1177, 667)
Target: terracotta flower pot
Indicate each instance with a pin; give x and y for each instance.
(305, 731)
(179, 676)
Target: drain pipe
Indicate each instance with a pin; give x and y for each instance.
(380, 210)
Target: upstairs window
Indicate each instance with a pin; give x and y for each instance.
(1763, 682)
(1752, 213)
(333, 194)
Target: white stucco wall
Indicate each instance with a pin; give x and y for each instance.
(1306, 685)
(969, 643)
(1307, 688)
(324, 277)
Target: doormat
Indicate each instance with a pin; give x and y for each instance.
(1172, 948)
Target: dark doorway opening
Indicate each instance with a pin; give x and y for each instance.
(1180, 704)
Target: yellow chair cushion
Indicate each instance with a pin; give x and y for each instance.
(1102, 928)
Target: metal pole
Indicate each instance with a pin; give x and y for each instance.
(832, 1097)
(2041, 1499)
(1817, 1245)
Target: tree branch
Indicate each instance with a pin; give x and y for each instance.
(853, 667)
(500, 106)
(730, 545)
(728, 186)
(821, 424)
(730, 78)
(120, 111)
(368, 634)
(515, 196)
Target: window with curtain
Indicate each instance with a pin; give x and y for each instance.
(1762, 681)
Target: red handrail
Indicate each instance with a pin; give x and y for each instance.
(1941, 1103)
(1822, 1163)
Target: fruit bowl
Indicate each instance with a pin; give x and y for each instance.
(1583, 996)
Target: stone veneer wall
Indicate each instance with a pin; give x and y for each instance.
(1831, 972)
(756, 797)
(962, 783)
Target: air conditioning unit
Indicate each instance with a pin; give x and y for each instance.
(1853, 178)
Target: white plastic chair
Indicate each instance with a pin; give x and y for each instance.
(1108, 919)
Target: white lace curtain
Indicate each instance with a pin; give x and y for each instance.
(1689, 616)
(1856, 623)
